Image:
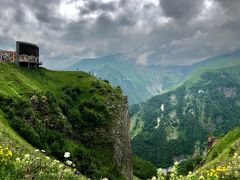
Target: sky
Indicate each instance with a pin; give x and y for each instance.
(162, 32)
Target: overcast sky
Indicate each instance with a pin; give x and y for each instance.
(151, 31)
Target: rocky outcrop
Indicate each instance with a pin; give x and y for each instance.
(230, 92)
(121, 138)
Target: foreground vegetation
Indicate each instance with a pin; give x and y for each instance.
(34, 166)
(19, 160)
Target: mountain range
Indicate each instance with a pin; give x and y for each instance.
(141, 82)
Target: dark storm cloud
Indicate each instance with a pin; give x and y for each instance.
(91, 6)
(181, 9)
(231, 6)
(157, 31)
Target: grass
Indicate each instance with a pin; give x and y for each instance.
(224, 149)
(19, 79)
(7, 134)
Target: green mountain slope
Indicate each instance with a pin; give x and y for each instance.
(224, 149)
(141, 82)
(68, 112)
(138, 82)
(223, 159)
(176, 124)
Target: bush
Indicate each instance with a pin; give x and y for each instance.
(143, 169)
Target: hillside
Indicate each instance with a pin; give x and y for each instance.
(20, 160)
(221, 161)
(223, 150)
(68, 112)
(175, 125)
(141, 82)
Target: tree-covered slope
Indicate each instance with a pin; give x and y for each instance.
(69, 112)
(176, 124)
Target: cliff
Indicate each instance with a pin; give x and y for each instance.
(122, 147)
(69, 112)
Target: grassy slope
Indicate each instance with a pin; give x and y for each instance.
(9, 138)
(15, 80)
(22, 80)
(223, 149)
(7, 134)
(20, 83)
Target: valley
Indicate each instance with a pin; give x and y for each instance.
(175, 125)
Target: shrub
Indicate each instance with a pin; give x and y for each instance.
(142, 168)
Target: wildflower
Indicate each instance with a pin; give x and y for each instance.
(36, 150)
(67, 170)
(26, 156)
(176, 163)
(17, 159)
(77, 173)
(60, 166)
(55, 161)
(154, 178)
(43, 151)
(9, 153)
(69, 162)
(201, 177)
(67, 154)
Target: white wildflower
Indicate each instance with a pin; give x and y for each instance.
(69, 162)
(26, 156)
(67, 154)
(60, 166)
(105, 178)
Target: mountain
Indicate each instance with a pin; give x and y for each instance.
(141, 82)
(229, 59)
(62, 112)
(175, 125)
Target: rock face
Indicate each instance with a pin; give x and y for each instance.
(121, 138)
(230, 91)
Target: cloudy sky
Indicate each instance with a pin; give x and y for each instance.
(151, 31)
